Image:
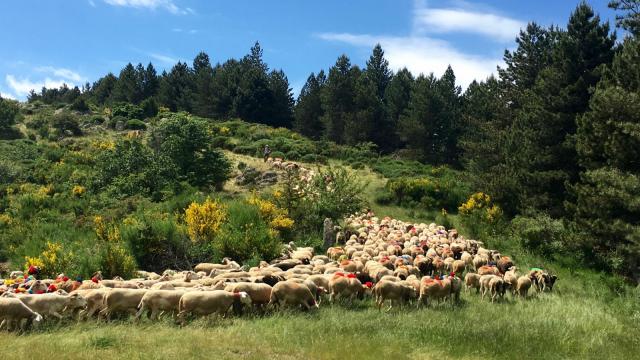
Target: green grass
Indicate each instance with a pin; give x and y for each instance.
(564, 325)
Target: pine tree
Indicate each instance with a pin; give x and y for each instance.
(485, 122)
(281, 114)
(449, 94)
(397, 97)
(127, 88)
(371, 113)
(367, 124)
(630, 20)
(102, 89)
(534, 53)
(546, 124)
(254, 98)
(151, 83)
(203, 101)
(338, 100)
(378, 72)
(226, 79)
(418, 126)
(176, 88)
(308, 110)
(608, 145)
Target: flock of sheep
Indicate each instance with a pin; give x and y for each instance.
(386, 259)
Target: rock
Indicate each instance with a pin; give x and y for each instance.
(119, 125)
(328, 235)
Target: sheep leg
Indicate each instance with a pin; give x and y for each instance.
(139, 313)
(154, 315)
(57, 314)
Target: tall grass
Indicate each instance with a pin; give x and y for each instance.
(563, 325)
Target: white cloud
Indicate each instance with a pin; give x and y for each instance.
(186, 31)
(22, 87)
(152, 4)
(5, 95)
(494, 26)
(163, 58)
(62, 72)
(424, 55)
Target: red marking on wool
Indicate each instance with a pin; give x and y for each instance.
(368, 284)
(338, 274)
(351, 276)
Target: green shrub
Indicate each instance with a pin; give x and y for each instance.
(541, 233)
(384, 197)
(292, 155)
(187, 142)
(220, 142)
(245, 150)
(112, 123)
(135, 124)
(245, 235)
(149, 107)
(80, 105)
(443, 219)
(96, 119)
(278, 154)
(157, 242)
(127, 110)
(64, 122)
(357, 165)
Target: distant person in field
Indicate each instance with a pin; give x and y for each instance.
(266, 152)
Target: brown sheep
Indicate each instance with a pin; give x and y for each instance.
(53, 304)
(260, 293)
(434, 289)
(497, 287)
(479, 261)
(13, 312)
(458, 267)
(488, 270)
(292, 294)
(122, 300)
(484, 283)
(523, 285)
(95, 301)
(157, 301)
(504, 264)
(472, 280)
(210, 302)
(396, 292)
(345, 286)
(511, 279)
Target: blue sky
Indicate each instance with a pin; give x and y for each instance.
(74, 41)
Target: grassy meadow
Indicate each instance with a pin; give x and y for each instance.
(589, 315)
(579, 321)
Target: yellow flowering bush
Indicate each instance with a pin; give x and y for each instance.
(104, 145)
(52, 261)
(276, 217)
(5, 219)
(116, 259)
(78, 190)
(46, 190)
(476, 201)
(480, 213)
(204, 220)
